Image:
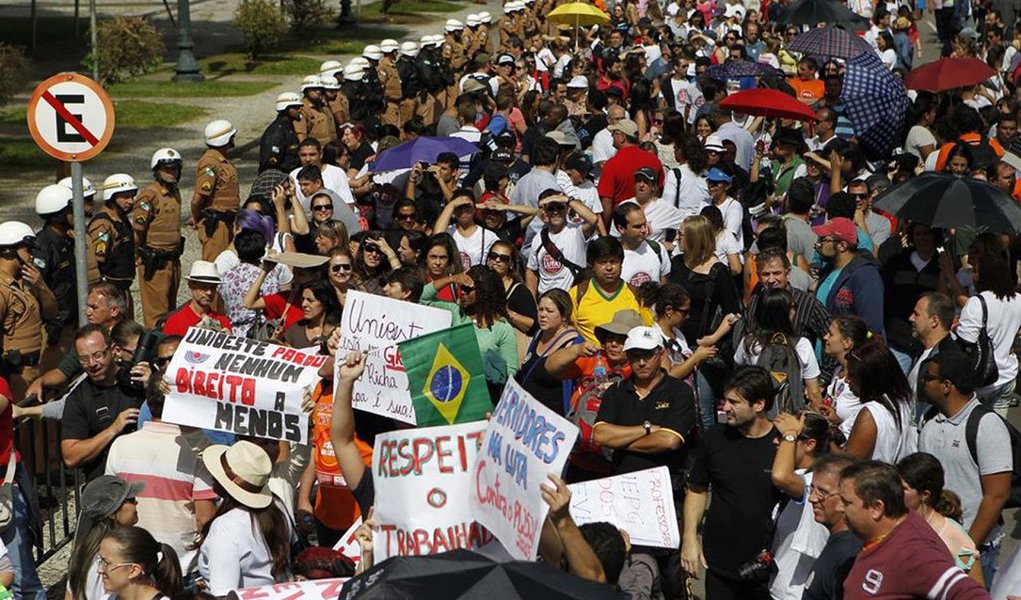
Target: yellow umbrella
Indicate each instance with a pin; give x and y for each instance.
(577, 14)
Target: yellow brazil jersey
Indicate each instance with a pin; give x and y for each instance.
(596, 308)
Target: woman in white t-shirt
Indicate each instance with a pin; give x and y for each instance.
(728, 250)
(1002, 321)
(922, 115)
(799, 538)
(132, 564)
(883, 429)
(885, 50)
(248, 541)
(840, 405)
(473, 241)
(771, 324)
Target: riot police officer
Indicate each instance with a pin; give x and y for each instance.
(332, 74)
(157, 224)
(316, 118)
(411, 84)
(53, 256)
(355, 91)
(390, 80)
(278, 148)
(88, 194)
(111, 239)
(24, 298)
(217, 193)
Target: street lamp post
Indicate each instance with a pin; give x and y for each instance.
(346, 18)
(187, 68)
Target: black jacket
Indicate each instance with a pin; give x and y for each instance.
(279, 146)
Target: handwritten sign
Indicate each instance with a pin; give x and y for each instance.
(375, 324)
(525, 442)
(239, 385)
(348, 544)
(422, 479)
(641, 503)
(317, 589)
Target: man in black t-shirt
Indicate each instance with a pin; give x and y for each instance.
(826, 581)
(647, 420)
(97, 410)
(735, 462)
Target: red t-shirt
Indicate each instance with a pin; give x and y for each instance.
(275, 304)
(618, 178)
(181, 319)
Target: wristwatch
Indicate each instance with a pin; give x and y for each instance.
(790, 437)
(648, 427)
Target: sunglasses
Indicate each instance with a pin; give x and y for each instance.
(636, 355)
(322, 208)
(372, 248)
(467, 289)
(406, 217)
(505, 258)
(555, 207)
(860, 194)
(338, 268)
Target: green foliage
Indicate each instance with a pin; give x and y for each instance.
(262, 24)
(14, 72)
(127, 47)
(308, 16)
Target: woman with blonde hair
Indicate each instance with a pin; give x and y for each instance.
(556, 331)
(714, 299)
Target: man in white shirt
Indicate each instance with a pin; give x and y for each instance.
(685, 187)
(559, 248)
(662, 216)
(334, 178)
(574, 181)
(729, 130)
(644, 260)
(602, 143)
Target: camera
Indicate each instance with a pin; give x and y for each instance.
(758, 569)
(146, 344)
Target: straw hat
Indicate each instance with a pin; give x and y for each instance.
(243, 470)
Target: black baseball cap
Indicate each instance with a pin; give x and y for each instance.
(646, 173)
(502, 155)
(579, 163)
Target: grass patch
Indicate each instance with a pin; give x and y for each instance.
(237, 62)
(21, 155)
(134, 114)
(209, 88)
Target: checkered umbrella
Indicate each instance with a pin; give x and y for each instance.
(831, 42)
(736, 68)
(813, 12)
(875, 101)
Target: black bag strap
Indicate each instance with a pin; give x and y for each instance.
(985, 313)
(706, 316)
(556, 252)
(677, 189)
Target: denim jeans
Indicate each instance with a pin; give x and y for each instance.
(706, 402)
(999, 398)
(989, 557)
(19, 547)
(904, 360)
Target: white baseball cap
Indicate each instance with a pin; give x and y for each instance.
(578, 82)
(643, 338)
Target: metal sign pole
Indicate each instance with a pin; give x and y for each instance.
(80, 232)
(93, 43)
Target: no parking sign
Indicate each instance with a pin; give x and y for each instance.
(70, 117)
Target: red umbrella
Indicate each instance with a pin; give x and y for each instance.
(947, 74)
(766, 102)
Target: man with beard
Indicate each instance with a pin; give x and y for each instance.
(734, 462)
(217, 194)
(157, 223)
(316, 118)
(203, 282)
(849, 282)
(97, 411)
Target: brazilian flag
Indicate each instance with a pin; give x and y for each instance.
(445, 377)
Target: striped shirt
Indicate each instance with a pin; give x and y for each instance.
(163, 458)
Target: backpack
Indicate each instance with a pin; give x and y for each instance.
(779, 357)
(971, 438)
(584, 411)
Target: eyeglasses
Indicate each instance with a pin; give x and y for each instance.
(94, 357)
(337, 268)
(818, 493)
(104, 566)
(505, 258)
(322, 208)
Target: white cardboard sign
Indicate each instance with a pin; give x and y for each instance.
(641, 503)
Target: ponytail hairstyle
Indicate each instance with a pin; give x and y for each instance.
(159, 562)
(660, 296)
(817, 428)
(852, 328)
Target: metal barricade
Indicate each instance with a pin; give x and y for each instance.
(57, 487)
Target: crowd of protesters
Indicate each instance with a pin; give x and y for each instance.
(694, 288)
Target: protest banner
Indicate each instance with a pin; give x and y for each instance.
(240, 385)
(316, 589)
(422, 479)
(348, 544)
(641, 503)
(375, 324)
(445, 377)
(524, 443)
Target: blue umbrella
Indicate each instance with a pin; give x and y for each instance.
(736, 68)
(875, 101)
(422, 149)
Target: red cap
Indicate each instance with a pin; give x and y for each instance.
(839, 227)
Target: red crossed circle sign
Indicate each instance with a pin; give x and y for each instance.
(70, 117)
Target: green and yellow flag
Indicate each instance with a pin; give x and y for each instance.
(445, 377)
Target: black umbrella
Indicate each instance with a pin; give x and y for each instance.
(464, 574)
(944, 202)
(813, 12)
